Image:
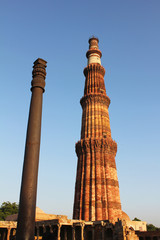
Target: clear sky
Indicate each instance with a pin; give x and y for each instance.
(58, 31)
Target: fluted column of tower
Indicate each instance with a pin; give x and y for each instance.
(97, 189)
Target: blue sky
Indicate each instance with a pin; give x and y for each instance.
(58, 31)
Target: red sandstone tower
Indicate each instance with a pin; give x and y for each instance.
(97, 190)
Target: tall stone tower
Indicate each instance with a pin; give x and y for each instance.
(97, 190)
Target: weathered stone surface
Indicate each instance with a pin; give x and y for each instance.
(39, 216)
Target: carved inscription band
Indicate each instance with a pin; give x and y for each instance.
(97, 98)
(87, 145)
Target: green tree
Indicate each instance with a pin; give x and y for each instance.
(136, 219)
(8, 208)
(151, 227)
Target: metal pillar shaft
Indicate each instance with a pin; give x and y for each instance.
(27, 203)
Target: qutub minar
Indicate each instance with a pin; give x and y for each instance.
(97, 190)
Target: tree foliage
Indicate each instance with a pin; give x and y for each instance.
(8, 208)
(151, 227)
(136, 219)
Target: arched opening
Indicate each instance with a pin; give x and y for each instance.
(131, 228)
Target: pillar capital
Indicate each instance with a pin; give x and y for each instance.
(39, 74)
(59, 225)
(103, 224)
(82, 224)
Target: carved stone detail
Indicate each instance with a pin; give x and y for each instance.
(87, 145)
(97, 98)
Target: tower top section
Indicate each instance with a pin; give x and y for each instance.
(93, 41)
(94, 54)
